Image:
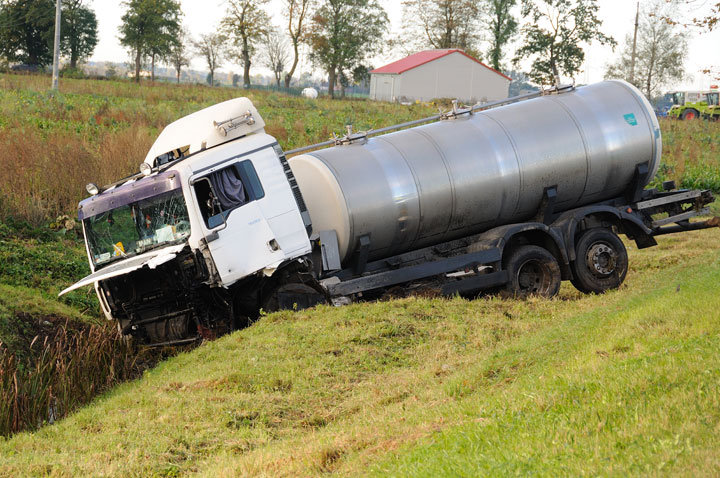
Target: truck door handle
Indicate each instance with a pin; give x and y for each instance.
(213, 236)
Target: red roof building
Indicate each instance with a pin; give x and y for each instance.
(431, 74)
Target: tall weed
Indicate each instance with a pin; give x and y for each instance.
(67, 369)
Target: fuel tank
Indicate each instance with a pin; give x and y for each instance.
(441, 181)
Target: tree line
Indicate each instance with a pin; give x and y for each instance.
(27, 29)
(342, 36)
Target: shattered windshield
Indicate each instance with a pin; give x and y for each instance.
(137, 227)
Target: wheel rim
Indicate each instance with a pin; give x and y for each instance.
(601, 259)
(534, 277)
(690, 115)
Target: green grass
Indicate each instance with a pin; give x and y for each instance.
(691, 154)
(37, 264)
(624, 383)
(634, 389)
(46, 262)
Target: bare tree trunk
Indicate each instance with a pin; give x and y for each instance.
(212, 76)
(178, 76)
(651, 68)
(152, 67)
(332, 75)
(553, 65)
(246, 63)
(289, 74)
(634, 48)
(137, 65)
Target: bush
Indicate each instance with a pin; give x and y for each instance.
(76, 73)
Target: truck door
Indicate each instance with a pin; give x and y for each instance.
(238, 235)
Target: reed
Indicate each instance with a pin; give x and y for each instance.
(65, 369)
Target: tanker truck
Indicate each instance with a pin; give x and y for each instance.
(513, 196)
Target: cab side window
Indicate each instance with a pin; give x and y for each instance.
(224, 190)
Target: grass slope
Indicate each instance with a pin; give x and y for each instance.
(621, 383)
(36, 264)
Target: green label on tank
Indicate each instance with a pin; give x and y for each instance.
(630, 118)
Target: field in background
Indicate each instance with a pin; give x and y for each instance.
(100, 131)
(625, 382)
(691, 154)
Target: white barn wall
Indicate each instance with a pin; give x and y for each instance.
(451, 76)
(383, 86)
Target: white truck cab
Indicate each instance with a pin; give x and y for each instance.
(216, 195)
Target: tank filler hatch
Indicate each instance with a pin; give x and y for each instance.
(206, 128)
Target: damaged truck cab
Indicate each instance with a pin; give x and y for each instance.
(168, 247)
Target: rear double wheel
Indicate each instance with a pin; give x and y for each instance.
(533, 271)
(601, 261)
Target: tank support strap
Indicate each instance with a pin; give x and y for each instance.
(361, 254)
(637, 185)
(546, 211)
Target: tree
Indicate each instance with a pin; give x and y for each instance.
(711, 20)
(297, 11)
(26, 31)
(554, 33)
(275, 54)
(502, 26)
(179, 55)
(443, 24)
(149, 28)
(660, 54)
(343, 33)
(707, 21)
(79, 31)
(210, 47)
(245, 23)
(520, 83)
(361, 75)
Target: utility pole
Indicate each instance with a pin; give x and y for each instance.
(632, 60)
(56, 51)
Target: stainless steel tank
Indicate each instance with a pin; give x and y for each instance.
(449, 179)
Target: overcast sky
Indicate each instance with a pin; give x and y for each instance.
(203, 16)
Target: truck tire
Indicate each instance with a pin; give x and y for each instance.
(690, 114)
(533, 271)
(601, 261)
(292, 296)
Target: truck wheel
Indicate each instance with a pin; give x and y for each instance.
(601, 261)
(292, 296)
(533, 271)
(690, 114)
